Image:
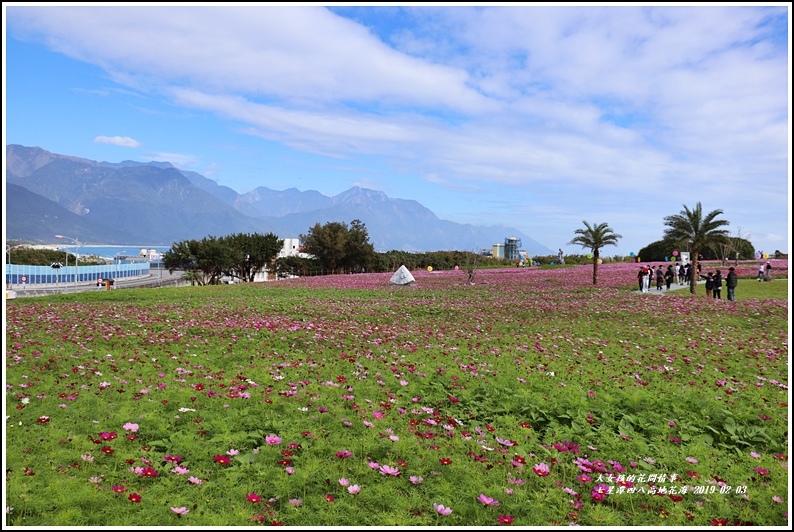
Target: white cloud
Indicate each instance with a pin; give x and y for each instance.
(125, 142)
(609, 103)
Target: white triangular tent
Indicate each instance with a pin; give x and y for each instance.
(402, 276)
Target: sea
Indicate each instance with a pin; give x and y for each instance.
(119, 251)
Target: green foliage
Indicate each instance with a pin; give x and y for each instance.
(239, 256)
(45, 257)
(339, 247)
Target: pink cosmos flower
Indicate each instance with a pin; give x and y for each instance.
(194, 480)
(354, 489)
(487, 501)
(761, 471)
(344, 482)
(179, 511)
(343, 454)
(377, 414)
(289, 470)
(272, 439)
(132, 427)
(755, 454)
(389, 470)
(691, 460)
(441, 509)
(415, 479)
(296, 502)
(542, 470)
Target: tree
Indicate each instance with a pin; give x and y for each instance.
(337, 246)
(690, 228)
(359, 252)
(210, 257)
(253, 252)
(594, 238)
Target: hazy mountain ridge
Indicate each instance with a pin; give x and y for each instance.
(158, 203)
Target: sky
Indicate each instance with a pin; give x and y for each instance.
(537, 117)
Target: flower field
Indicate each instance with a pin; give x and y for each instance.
(531, 398)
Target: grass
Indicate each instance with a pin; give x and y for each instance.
(343, 401)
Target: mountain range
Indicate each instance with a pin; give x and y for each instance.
(157, 204)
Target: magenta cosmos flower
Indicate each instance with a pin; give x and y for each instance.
(542, 470)
(272, 439)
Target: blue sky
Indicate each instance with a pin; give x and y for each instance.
(538, 118)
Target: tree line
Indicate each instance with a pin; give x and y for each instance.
(336, 247)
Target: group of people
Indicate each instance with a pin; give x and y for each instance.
(680, 274)
(714, 284)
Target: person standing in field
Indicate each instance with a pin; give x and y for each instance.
(730, 283)
(760, 272)
(669, 276)
(709, 284)
(716, 287)
(659, 278)
(768, 271)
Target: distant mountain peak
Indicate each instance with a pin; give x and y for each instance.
(158, 203)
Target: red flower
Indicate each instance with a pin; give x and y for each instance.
(107, 450)
(43, 419)
(675, 498)
(118, 489)
(329, 497)
(222, 459)
(454, 400)
(489, 428)
(445, 461)
(134, 497)
(505, 520)
(148, 471)
(719, 522)
(108, 435)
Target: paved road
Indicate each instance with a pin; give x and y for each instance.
(155, 279)
(653, 290)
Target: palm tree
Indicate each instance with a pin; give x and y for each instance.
(594, 238)
(691, 228)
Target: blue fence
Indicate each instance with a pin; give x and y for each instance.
(19, 274)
